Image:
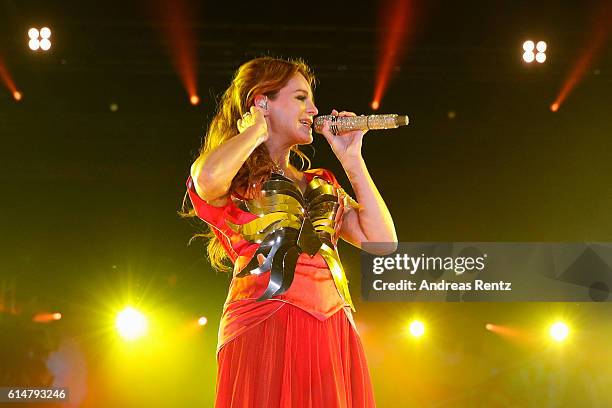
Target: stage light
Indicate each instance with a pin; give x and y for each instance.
(534, 52)
(416, 328)
(558, 331)
(45, 44)
(396, 33)
(131, 324)
(7, 80)
(528, 57)
(180, 35)
(590, 51)
(505, 331)
(39, 40)
(33, 33)
(46, 317)
(554, 107)
(45, 32)
(202, 321)
(34, 44)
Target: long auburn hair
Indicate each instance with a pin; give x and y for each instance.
(259, 76)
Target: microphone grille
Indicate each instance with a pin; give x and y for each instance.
(402, 120)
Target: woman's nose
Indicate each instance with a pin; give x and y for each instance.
(312, 109)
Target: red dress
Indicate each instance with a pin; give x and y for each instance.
(297, 349)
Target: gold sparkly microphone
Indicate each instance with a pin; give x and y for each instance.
(342, 124)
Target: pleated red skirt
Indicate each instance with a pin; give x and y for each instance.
(294, 360)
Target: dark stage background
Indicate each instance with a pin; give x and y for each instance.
(90, 195)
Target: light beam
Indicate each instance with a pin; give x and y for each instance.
(598, 38)
(397, 23)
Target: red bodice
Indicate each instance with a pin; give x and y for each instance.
(313, 288)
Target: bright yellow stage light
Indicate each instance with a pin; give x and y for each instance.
(559, 331)
(131, 324)
(416, 328)
(202, 321)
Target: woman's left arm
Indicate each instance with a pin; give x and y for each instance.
(372, 221)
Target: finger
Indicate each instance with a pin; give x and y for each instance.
(245, 122)
(261, 259)
(255, 110)
(334, 112)
(325, 131)
(345, 113)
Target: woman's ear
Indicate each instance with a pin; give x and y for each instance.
(261, 101)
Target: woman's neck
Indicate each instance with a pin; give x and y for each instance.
(281, 160)
(280, 157)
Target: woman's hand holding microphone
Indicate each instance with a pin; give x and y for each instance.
(346, 147)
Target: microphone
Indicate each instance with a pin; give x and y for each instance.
(342, 124)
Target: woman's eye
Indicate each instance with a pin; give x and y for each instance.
(301, 98)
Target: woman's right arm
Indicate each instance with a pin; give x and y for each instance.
(213, 173)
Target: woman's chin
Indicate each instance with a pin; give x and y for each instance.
(304, 138)
(307, 141)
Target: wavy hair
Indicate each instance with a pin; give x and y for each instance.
(259, 76)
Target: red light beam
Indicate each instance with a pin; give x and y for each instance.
(503, 330)
(512, 334)
(399, 19)
(8, 81)
(597, 40)
(181, 43)
(46, 317)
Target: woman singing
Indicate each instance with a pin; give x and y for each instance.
(287, 336)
